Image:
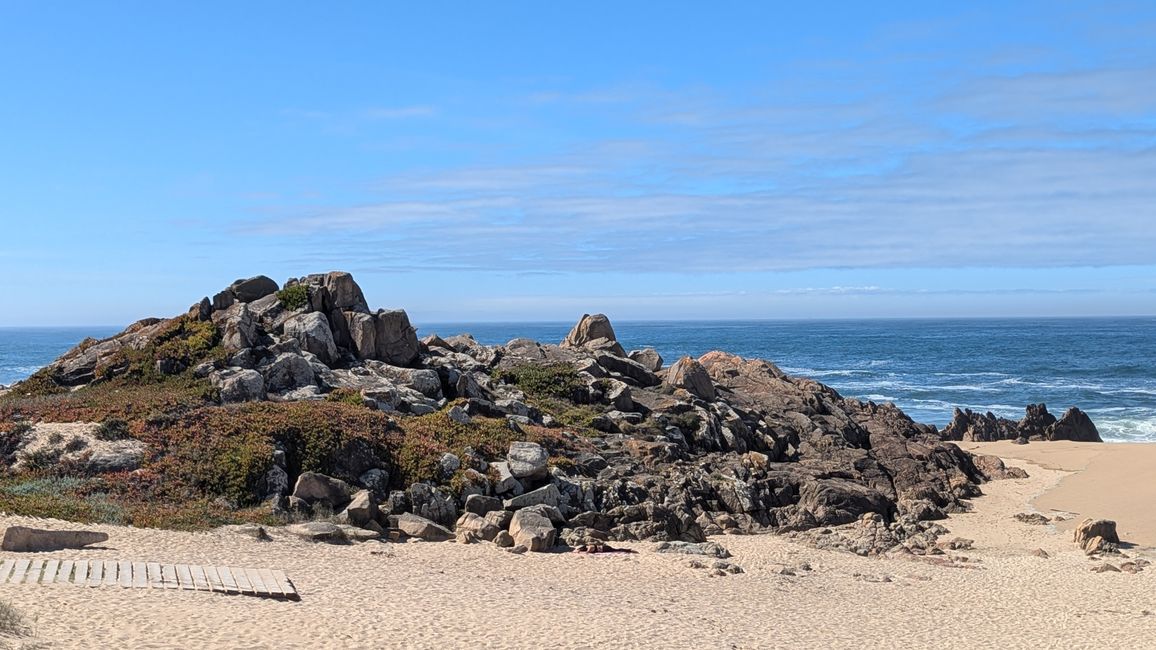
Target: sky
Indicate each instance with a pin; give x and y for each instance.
(532, 161)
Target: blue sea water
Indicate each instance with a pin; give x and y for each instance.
(1106, 366)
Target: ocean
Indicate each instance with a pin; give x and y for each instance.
(1105, 366)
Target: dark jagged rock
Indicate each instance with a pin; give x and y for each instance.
(1074, 425)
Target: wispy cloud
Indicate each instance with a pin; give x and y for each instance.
(1031, 170)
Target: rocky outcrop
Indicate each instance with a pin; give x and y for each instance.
(1037, 424)
(608, 445)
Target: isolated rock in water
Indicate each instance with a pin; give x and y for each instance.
(527, 460)
(312, 331)
(253, 288)
(593, 329)
(319, 531)
(22, 539)
(532, 530)
(648, 357)
(691, 375)
(396, 339)
(313, 487)
(1074, 425)
(422, 528)
(1090, 528)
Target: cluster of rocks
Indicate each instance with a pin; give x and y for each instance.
(1037, 424)
(718, 444)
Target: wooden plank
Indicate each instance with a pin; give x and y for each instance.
(80, 573)
(154, 575)
(214, 578)
(242, 580)
(227, 580)
(65, 572)
(169, 575)
(254, 577)
(185, 577)
(271, 583)
(19, 570)
(95, 573)
(110, 573)
(124, 573)
(287, 587)
(34, 570)
(6, 570)
(199, 580)
(140, 576)
(50, 568)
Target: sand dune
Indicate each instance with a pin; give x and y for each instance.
(449, 595)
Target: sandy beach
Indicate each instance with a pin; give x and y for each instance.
(451, 595)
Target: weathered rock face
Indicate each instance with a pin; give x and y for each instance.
(527, 460)
(649, 358)
(423, 528)
(691, 375)
(362, 330)
(239, 385)
(312, 488)
(287, 371)
(1090, 529)
(532, 530)
(593, 331)
(395, 338)
(1074, 425)
(313, 334)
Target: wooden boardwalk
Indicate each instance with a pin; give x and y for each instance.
(148, 575)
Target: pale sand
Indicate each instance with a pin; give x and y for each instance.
(449, 595)
(1105, 481)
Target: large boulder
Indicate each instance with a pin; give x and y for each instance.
(546, 495)
(23, 539)
(648, 357)
(532, 530)
(362, 508)
(1090, 529)
(312, 331)
(593, 331)
(527, 460)
(477, 526)
(1074, 425)
(396, 339)
(253, 288)
(238, 327)
(319, 531)
(286, 372)
(422, 528)
(344, 292)
(362, 333)
(313, 488)
(238, 385)
(691, 375)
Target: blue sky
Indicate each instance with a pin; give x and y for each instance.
(533, 161)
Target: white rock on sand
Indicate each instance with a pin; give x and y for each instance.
(439, 595)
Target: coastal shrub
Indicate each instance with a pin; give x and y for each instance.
(181, 343)
(345, 396)
(112, 429)
(294, 297)
(44, 458)
(558, 380)
(12, 622)
(119, 398)
(12, 439)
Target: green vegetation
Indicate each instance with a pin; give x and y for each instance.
(558, 380)
(294, 297)
(112, 429)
